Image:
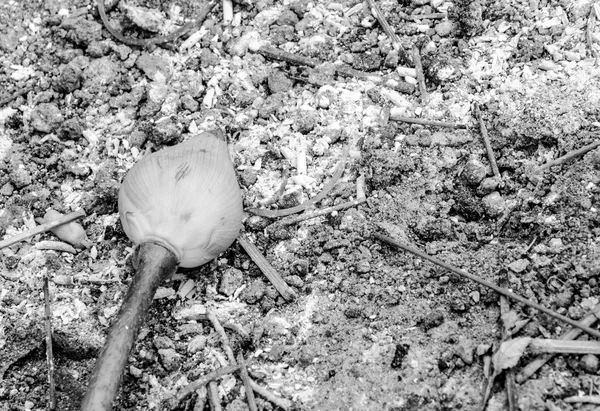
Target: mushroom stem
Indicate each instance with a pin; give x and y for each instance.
(156, 263)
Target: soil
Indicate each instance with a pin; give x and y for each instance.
(372, 328)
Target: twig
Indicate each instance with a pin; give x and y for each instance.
(49, 354)
(545, 346)
(420, 75)
(590, 27)
(277, 54)
(10, 98)
(570, 155)
(221, 332)
(155, 40)
(41, 229)
(318, 213)
(293, 210)
(426, 122)
(487, 284)
(213, 396)
(386, 27)
(509, 381)
(428, 16)
(193, 386)
(587, 399)
(285, 290)
(486, 141)
(201, 394)
(282, 403)
(247, 384)
(571, 334)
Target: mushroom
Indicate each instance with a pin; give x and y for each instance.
(183, 206)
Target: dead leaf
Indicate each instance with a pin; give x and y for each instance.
(509, 353)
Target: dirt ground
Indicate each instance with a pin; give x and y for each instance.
(372, 327)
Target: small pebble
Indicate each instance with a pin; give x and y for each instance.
(494, 204)
(590, 363)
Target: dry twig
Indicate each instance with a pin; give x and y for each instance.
(499, 290)
(41, 229)
(213, 396)
(195, 385)
(318, 213)
(509, 381)
(571, 334)
(416, 54)
(8, 99)
(282, 403)
(293, 210)
(222, 334)
(247, 384)
(486, 141)
(545, 346)
(570, 155)
(297, 60)
(583, 399)
(285, 290)
(376, 11)
(49, 354)
(426, 122)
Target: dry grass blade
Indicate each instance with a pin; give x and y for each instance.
(247, 383)
(267, 269)
(570, 155)
(49, 354)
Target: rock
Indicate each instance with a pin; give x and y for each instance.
(590, 363)
(494, 204)
(100, 73)
(279, 82)
(519, 266)
(475, 172)
(70, 130)
(231, 280)
(305, 121)
(194, 312)
(169, 359)
(287, 17)
(196, 344)
(254, 292)
(151, 20)
(135, 372)
(46, 117)
(163, 342)
(363, 267)
(248, 177)
(488, 185)
(7, 189)
(188, 103)
(82, 31)
(152, 65)
(190, 329)
(444, 28)
(69, 79)
(294, 281)
(20, 177)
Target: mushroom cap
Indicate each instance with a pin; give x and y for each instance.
(184, 197)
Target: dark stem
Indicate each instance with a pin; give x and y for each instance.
(156, 263)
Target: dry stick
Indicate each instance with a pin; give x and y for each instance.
(386, 27)
(420, 76)
(283, 403)
(155, 40)
(195, 385)
(572, 334)
(318, 213)
(509, 381)
(499, 290)
(570, 155)
(201, 394)
(213, 396)
(49, 355)
(247, 385)
(293, 210)
(277, 54)
(285, 290)
(222, 334)
(426, 122)
(10, 98)
(544, 346)
(486, 141)
(587, 399)
(591, 25)
(41, 229)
